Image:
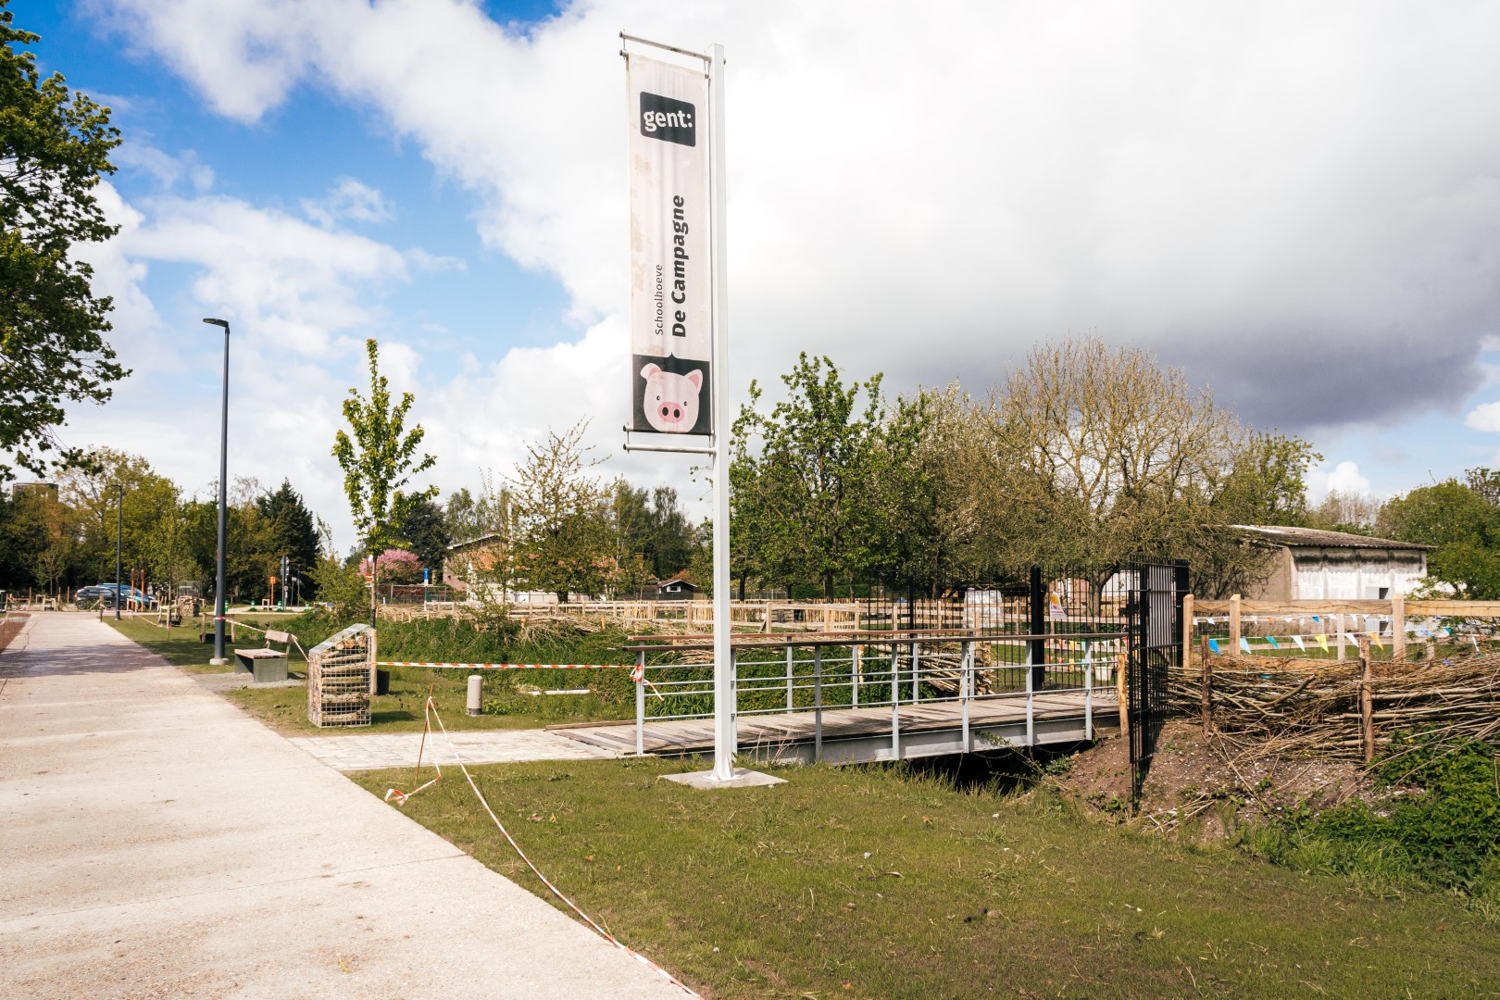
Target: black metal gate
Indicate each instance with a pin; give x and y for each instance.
(1155, 629)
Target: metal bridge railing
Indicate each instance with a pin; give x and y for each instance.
(871, 671)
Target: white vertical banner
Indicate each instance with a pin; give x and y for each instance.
(671, 273)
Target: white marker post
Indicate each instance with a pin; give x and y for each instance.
(667, 314)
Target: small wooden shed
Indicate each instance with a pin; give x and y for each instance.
(1311, 564)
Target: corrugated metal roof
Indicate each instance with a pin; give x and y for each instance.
(1327, 539)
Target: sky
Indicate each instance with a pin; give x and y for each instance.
(1297, 204)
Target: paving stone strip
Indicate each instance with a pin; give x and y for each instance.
(373, 751)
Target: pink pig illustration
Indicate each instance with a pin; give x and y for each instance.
(671, 401)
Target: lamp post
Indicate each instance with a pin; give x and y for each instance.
(220, 596)
(119, 532)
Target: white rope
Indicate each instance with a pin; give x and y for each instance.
(458, 758)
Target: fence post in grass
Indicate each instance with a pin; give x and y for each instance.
(1366, 699)
(374, 648)
(1398, 628)
(1338, 628)
(1234, 623)
(1431, 652)
(1206, 704)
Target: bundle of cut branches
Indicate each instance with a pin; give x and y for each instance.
(1313, 705)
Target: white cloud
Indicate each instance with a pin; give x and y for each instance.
(1344, 478)
(1235, 189)
(1484, 417)
(168, 170)
(348, 200)
(1282, 198)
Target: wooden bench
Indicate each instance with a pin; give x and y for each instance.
(267, 664)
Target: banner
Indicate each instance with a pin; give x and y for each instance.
(671, 275)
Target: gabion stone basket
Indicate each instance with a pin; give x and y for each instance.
(338, 678)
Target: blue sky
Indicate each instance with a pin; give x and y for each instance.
(1299, 206)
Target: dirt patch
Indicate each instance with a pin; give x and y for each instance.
(10, 628)
(1208, 789)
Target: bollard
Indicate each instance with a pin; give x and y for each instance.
(476, 693)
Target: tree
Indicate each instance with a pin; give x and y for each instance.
(155, 525)
(379, 460)
(1091, 455)
(651, 527)
(564, 539)
(1461, 524)
(801, 477)
(1340, 511)
(467, 516)
(424, 531)
(292, 532)
(54, 146)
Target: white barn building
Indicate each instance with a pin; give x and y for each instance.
(1313, 565)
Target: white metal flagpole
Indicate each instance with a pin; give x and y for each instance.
(724, 686)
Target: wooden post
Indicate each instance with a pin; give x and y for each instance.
(1206, 699)
(1187, 629)
(1122, 665)
(1398, 628)
(1366, 699)
(1234, 624)
(374, 656)
(1431, 652)
(1338, 630)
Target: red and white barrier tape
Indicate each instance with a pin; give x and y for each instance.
(506, 666)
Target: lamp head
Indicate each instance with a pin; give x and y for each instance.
(217, 322)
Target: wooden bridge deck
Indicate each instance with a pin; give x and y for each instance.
(852, 735)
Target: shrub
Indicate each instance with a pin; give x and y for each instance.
(1439, 825)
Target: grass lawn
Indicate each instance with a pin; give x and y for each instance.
(873, 882)
(508, 701)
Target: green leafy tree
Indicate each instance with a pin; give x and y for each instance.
(651, 528)
(54, 146)
(467, 516)
(1463, 527)
(293, 532)
(802, 478)
(564, 536)
(379, 458)
(152, 516)
(424, 531)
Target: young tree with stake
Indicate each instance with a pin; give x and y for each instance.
(379, 460)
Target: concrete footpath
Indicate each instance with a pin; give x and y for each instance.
(157, 842)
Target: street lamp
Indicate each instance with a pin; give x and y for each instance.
(219, 599)
(119, 531)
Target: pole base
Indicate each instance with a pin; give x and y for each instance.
(218, 661)
(743, 778)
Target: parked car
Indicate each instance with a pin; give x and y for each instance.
(99, 593)
(104, 593)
